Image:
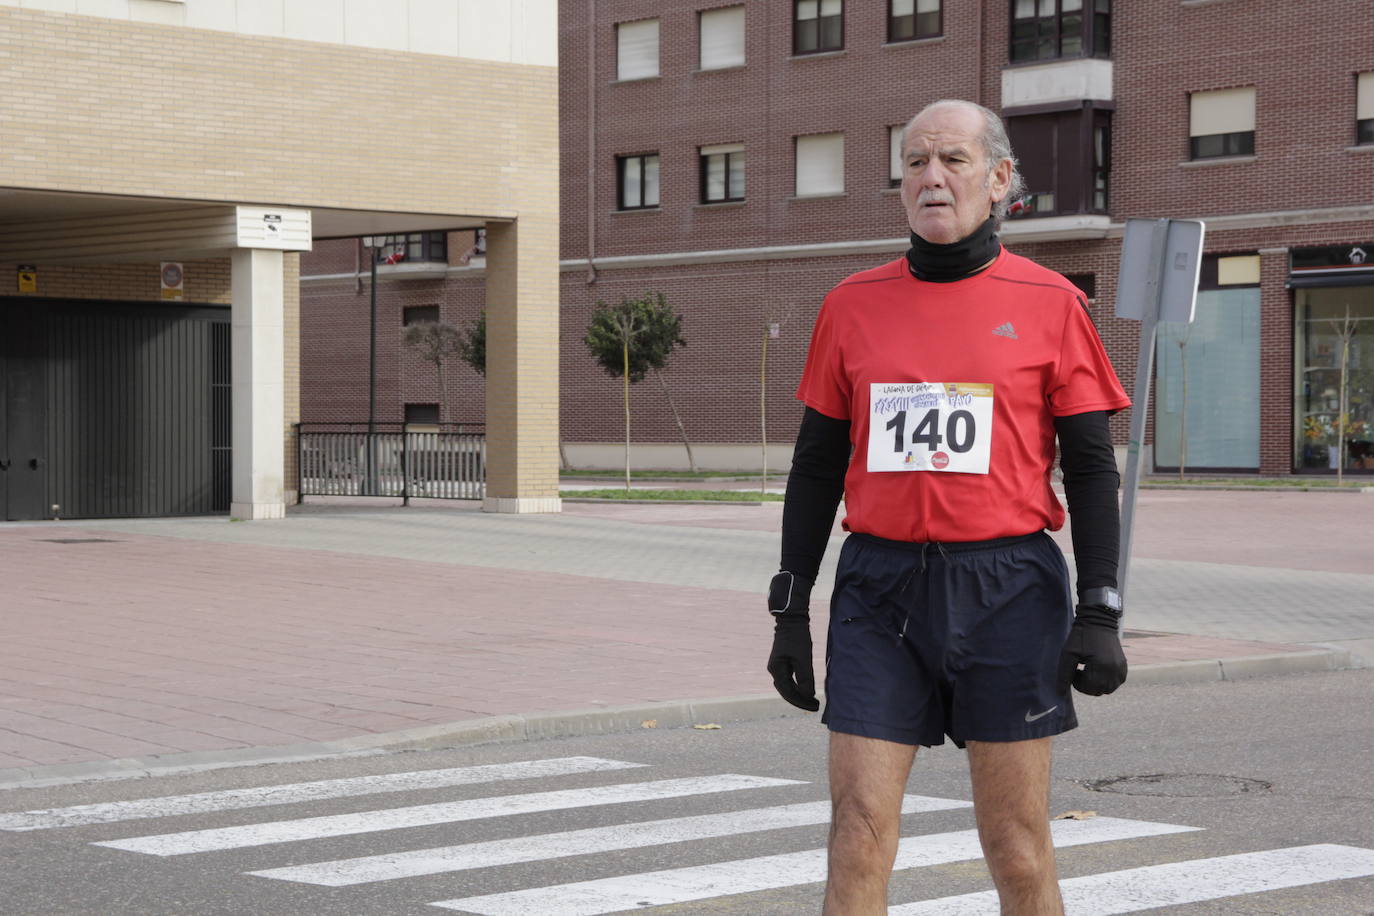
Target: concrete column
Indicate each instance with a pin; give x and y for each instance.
(1276, 364)
(522, 366)
(256, 333)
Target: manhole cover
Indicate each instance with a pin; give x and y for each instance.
(79, 540)
(1180, 785)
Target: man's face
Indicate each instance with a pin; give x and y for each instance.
(947, 189)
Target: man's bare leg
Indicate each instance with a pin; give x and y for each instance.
(1011, 798)
(867, 779)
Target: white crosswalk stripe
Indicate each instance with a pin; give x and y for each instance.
(702, 882)
(1129, 890)
(388, 867)
(262, 796)
(310, 828)
(1135, 889)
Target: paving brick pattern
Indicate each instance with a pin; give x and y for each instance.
(155, 636)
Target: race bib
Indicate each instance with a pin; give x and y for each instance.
(930, 426)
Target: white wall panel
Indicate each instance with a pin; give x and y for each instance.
(514, 31)
(1069, 80)
(315, 20)
(484, 30)
(434, 27)
(261, 17)
(377, 25)
(111, 9)
(160, 11)
(222, 16)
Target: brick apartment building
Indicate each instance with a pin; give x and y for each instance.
(739, 158)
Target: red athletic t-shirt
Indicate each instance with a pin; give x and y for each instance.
(967, 455)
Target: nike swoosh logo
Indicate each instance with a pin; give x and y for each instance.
(1039, 715)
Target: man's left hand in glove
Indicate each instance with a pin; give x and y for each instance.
(1095, 643)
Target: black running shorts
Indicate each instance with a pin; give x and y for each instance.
(959, 639)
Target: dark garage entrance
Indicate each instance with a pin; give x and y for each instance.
(111, 409)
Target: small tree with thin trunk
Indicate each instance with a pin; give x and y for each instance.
(472, 348)
(629, 340)
(435, 342)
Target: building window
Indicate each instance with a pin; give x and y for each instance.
(820, 165)
(1086, 283)
(911, 19)
(894, 155)
(422, 414)
(817, 25)
(1051, 29)
(417, 246)
(721, 38)
(722, 173)
(1364, 108)
(479, 242)
(636, 49)
(419, 314)
(637, 182)
(1065, 158)
(1221, 123)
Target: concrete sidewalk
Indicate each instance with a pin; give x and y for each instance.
(148, 644)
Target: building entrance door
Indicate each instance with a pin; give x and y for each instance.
(23, 406)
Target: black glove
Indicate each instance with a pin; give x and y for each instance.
(789, 599)
(1095, 643)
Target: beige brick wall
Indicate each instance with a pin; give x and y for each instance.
(139, 109)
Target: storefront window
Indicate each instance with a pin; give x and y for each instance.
(1327, 320)
(1207, 384)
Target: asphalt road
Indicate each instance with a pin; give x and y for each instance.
(1222, 789)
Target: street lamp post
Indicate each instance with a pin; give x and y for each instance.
(372, 243)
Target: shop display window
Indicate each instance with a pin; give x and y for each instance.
(1328, 321)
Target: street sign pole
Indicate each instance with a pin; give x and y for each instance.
(1160, 261)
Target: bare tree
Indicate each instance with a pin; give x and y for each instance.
(435, 342)
(1345, 333)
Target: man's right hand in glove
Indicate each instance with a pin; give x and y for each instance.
(789, 600)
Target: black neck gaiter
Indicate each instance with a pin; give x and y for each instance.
(957, 260)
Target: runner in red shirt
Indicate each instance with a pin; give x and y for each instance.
(935, 388)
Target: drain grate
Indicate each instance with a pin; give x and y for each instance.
(79, 540)
(1181, 785)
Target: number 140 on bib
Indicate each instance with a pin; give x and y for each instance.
(930, 426)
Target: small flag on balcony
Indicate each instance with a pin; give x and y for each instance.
(395, 257)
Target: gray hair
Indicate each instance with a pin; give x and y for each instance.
(996, 147)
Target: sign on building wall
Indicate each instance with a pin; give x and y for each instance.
(173, 280)
(28, 278)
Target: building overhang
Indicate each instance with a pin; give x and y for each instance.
(61, 228)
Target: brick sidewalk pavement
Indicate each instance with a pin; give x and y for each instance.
(140, 638)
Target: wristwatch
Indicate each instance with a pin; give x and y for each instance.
(789, 593)
(1103, 596)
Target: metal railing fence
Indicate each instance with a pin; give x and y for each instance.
(342, 459)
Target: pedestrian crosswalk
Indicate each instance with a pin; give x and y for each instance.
(473, 872)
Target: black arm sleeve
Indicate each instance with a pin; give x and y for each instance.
(814, 488)
(1090, 484)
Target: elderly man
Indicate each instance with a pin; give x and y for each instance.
(935, 387)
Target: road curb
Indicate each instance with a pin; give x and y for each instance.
(599, 721)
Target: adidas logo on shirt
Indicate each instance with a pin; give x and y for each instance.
(1006, 330)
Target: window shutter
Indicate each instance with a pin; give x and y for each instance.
(820, 164)
(1364, 107)
(722, 38)
(903, 7)
(894, 152)
(637, 49)
(1224, 111)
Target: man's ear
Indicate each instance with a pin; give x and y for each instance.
(999, 182)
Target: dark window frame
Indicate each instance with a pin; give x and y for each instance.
(419, 314)
(704, 163)
(410, 412)
(1221, 146)
(894, 28)
(421, 247)
(1364, 132)
(1080, 179)
(1030, 38)
(620, 163)
(819, 38)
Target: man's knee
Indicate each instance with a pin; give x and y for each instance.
(1018, 853)
(860, 826)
